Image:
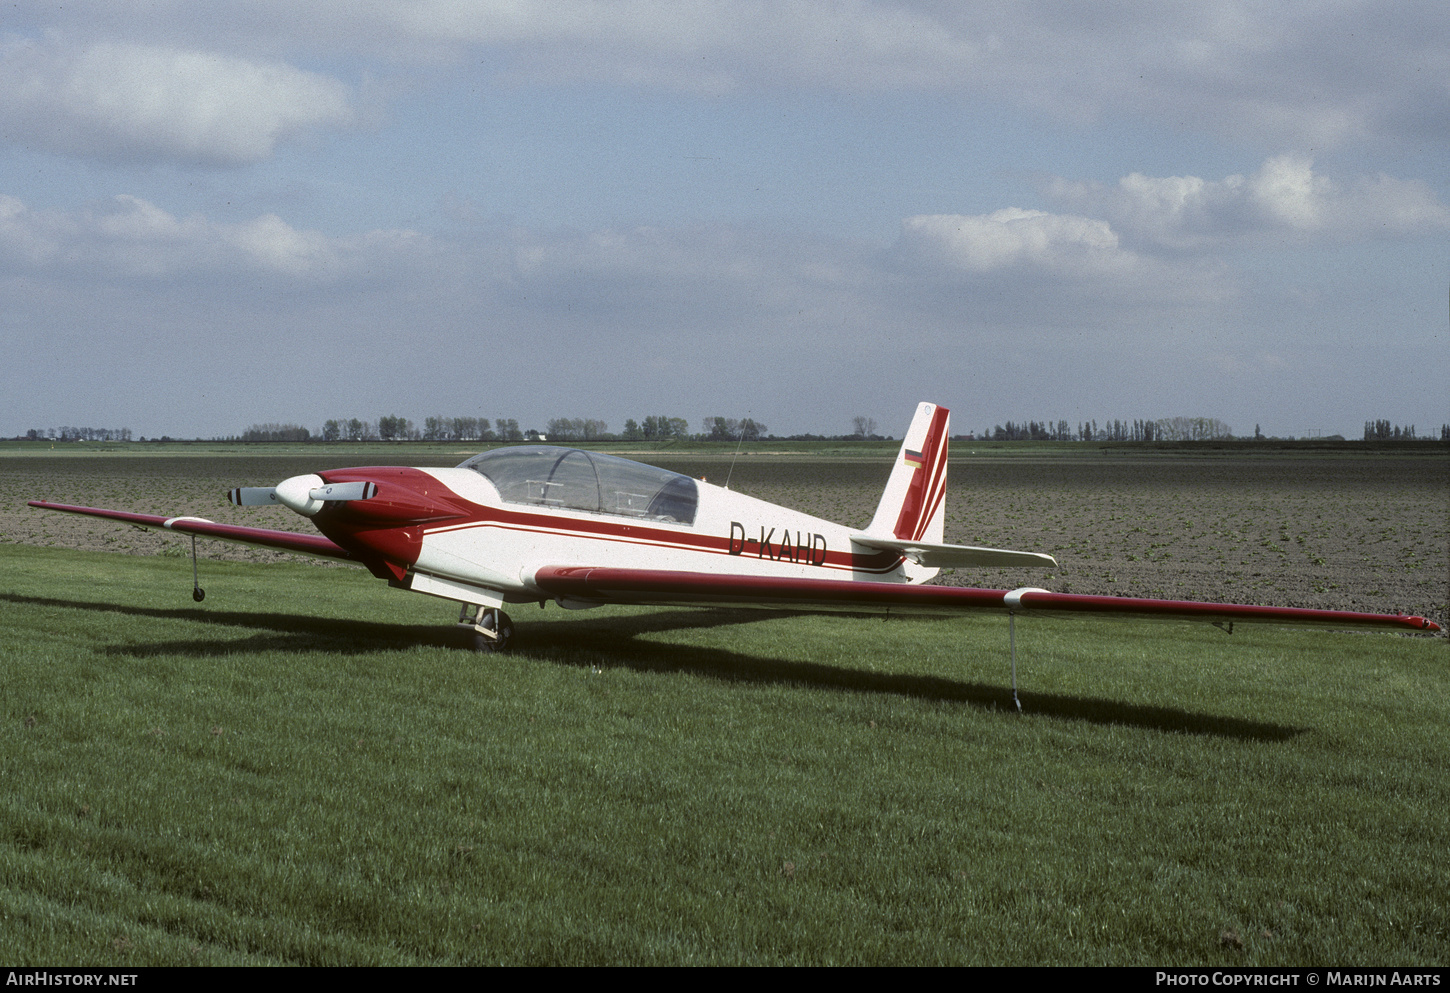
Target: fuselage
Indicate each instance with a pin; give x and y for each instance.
(486, 527)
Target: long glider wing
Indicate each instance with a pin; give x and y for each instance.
(289, 541)
(658, 587)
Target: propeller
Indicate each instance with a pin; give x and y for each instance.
(304, 494)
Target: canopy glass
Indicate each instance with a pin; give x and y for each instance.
(571, 479)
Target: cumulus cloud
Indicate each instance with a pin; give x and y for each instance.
(148, 102)
(130, 238)
(1062, 243)
(1285, 197)
(1032, 267)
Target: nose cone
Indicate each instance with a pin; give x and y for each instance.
(294, 493)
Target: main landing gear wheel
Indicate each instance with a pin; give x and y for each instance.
(492, 631)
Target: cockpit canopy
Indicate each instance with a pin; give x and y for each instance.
(571, 479)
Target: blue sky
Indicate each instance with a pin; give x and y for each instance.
(225, 214)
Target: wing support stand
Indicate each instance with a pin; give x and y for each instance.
(1012, 601)
(197, 593)
(1012, 640)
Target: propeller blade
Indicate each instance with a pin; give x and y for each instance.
(253, 496)
(304, 494)
(344, 491)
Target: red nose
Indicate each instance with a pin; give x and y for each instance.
(403, 496)
(384, 528)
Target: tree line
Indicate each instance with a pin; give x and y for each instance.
(391, 427)
(656, 427)
(1162, 429)
(1385, 431)
(1172, 429)
(78, 434)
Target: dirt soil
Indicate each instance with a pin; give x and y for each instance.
(1340, 531)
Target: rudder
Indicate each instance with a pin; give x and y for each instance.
(913, 506)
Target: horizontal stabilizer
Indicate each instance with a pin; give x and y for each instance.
(953, 556)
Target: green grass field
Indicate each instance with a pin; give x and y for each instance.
(309, 768)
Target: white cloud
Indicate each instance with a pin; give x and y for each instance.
(1284, 197)
(129, 238)
(1031, 268)
(1286, 192)
(146, 102)
(1062, 243)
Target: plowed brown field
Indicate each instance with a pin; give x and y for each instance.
(1355, 531)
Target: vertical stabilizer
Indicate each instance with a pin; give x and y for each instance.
(913, 507)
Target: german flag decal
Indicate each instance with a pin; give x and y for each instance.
(913, 459)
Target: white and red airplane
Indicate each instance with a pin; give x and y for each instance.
(531, 524)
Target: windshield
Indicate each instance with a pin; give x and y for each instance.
(571, 479)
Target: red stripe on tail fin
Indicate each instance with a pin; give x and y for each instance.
(911, 505)
(927, 489)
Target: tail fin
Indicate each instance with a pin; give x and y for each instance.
(913, 507)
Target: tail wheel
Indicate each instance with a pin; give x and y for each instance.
(498, 629)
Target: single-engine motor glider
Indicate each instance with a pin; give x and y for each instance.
(530, 524)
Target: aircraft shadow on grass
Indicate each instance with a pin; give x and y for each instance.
(618, 640)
